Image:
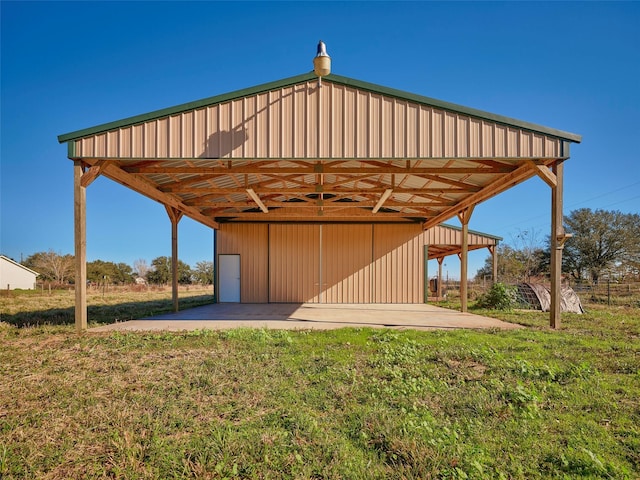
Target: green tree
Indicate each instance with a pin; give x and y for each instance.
(203, 273)
(51, 266)
(516, 265)
(99, 270)
(602, 240)
(160, 273)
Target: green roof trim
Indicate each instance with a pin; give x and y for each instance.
(165, 112)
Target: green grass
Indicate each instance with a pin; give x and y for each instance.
(349, 403)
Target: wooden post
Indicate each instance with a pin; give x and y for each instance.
(80, 239)
(557, 244)
(464, 217)
(426, 274)
(439, 288)
(494, 264)
(174, 216)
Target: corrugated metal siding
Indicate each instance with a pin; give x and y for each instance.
(398, 264)
(303, 121)
(294, 263)
(346, 263)
(250, 241)
(440, 235)
(354, 263)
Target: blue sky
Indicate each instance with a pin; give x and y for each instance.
(69, 65)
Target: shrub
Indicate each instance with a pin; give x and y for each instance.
(499, 297)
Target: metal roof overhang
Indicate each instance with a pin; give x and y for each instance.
(292, 151)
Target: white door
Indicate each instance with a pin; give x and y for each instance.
(229, 277)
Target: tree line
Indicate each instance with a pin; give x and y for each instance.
(60, 269)
(603, 244)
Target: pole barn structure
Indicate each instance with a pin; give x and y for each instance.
(322, 191)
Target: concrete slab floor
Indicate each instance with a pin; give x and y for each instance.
(310, 316)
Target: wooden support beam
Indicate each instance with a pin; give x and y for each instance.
(94, 171)
(464, 217)
(212, 190)
(557, 244)
(256, 199)
(503, 183)
(174, 216)
(544, 173)
(316, 169)
(141, 186)
(80, 240)
(387, 193)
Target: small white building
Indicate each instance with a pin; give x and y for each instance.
(13, 275)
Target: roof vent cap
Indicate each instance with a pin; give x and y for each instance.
(322, 61)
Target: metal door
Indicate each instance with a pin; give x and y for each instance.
(229, 278)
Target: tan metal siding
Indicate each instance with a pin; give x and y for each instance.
(294, 263)
(250, 241)
(398, 264)
(305, 121)
(346, 263)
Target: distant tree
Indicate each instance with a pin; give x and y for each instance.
(124, 273)
(602, 241)
(51, 266)
(100, 271)
(528, 245)
(141, 268)
(515, 265)
(160, 273)
(203, 273)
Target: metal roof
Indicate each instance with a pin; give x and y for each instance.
(292, 150)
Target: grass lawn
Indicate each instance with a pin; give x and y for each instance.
(350, 403)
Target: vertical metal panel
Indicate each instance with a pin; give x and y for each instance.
(200, 136)
(349, 115)
(374, 125)
(261, 126)
(462, 135)
(175, 136)
(399, 118)
(397, 264)
(112, 141)
(475, 139)
(525, 144)
(250, 241)
(450, 134)
(150, 139)
(311, 132)
(238, 129)
(294, 263)
(412, 131)
(424, 131)
(137, 141)
(513, 143)
(363, 124)
(325, 139)
(346, 263)
(437, 132)
(386, 127)
(500, 141)
(162, 140)
(488, 139)
(286, 123)
(337, 121)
